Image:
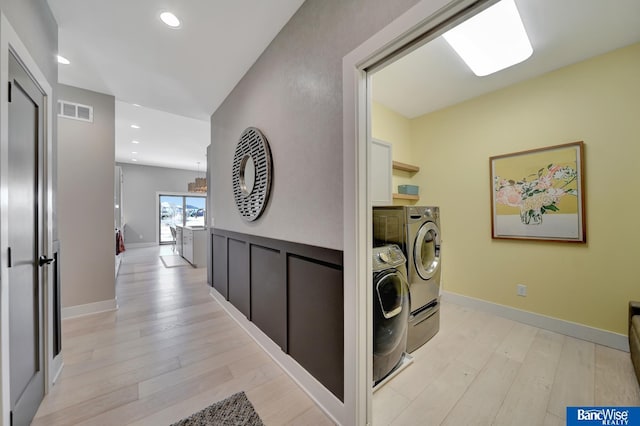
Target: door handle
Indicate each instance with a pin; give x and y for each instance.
(44, 260)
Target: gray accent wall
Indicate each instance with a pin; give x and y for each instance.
(38, 30)
(293, 94)
(86, 158)
(34, 23)
(139, 189)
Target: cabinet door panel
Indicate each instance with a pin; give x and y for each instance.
(188, 245)
(269, 293)
(381, 173)
(239, 291)
(219, 263)
(315, 318)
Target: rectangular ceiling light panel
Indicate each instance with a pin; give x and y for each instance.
(492, 40)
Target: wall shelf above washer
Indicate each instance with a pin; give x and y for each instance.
(405, 167)
(406, 197)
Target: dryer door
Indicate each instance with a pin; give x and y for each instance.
(426, 250)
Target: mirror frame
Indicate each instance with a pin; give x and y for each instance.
(251, 202)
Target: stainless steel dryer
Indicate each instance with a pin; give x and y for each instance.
(390, 310)
(416, 229)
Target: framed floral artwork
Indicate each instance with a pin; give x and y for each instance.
(539, 194)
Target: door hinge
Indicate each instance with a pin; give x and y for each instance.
(9, 91)
(8, 257)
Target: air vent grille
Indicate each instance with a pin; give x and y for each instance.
(75, 111)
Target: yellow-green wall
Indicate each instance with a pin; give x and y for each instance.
(596, 101)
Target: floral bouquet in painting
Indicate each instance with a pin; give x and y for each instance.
(537, 193)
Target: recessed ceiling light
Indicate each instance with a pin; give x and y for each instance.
(136, 105)
(170, 19)
(135, 141)
(492, 40)
(62, 60)
(134, 152)
(135, 126)
(134, 160)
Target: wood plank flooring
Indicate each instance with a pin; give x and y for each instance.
(484, 370)
(168, 351)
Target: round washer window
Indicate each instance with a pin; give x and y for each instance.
(252, 170)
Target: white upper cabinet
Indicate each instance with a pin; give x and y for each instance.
(381, 173)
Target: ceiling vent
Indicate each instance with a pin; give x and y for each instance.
(75, 111)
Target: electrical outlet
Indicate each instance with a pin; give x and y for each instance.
(522, 290)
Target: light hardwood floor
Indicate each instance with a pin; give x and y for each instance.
(168, 351)
(481, 369)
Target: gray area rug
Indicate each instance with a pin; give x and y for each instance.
(236, 410)
(173, 261)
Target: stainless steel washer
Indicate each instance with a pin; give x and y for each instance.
(390, 310)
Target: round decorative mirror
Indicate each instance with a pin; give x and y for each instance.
(251, 174)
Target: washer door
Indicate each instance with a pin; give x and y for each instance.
(390, 292)
(390, 316)
(426, 250)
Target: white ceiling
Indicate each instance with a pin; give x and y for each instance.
(562, 32)
(121, 48)
(165, 139)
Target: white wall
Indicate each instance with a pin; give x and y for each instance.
(85, 200)
(139, 203)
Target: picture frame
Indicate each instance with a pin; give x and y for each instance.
(539, 194)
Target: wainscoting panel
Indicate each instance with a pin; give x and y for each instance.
(292, 292)
(239, 290)
(219, 265)
(269, 294)
(316, 313)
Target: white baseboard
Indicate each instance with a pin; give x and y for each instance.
(89, 308)
(332, 406)
(568, 328)
(138, 245)
(53, 369)
(57, 366)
